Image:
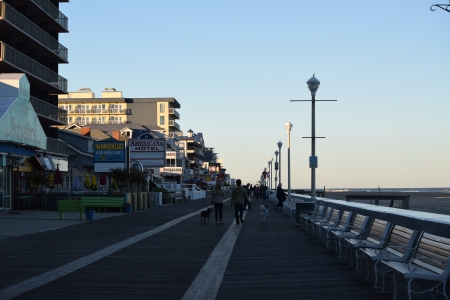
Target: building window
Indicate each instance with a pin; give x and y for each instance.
(115, 108)
(98, 108)
(82, 108)
(162, 108)
(162, 120)
(115, 120)
(82, 120)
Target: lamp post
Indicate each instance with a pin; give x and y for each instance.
(288, 126)
(276, 168)
(270, 172)
(313, 85)
(279, 165)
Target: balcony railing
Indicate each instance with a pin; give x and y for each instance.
(56, 146)
(172, 111)
(86, 122)
(20, 60)
(100, 111)
(24, 24)
(54, 12)
(174, 170)
(48, 110)
(174, 124)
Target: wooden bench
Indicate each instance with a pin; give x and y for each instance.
(333, 220)
(354, 230)
(342, 225)
(308, 216)
(399, 247)
(429, 263)
(376, 237)
(325, 218)
(70, 206)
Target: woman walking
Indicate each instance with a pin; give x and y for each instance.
(281, 196)
(217, 197)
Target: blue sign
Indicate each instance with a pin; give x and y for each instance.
(109, 152)
(313, 162)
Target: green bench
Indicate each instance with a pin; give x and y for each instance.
(88, 202)
(70, 206)
(99, 202)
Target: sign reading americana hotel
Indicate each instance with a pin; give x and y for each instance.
(149, 152)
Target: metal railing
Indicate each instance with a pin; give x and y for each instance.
(56, 146)
(100, 111)
(172, 111)
(174, 124)
(85, 122)
(24, 24)
(54, 12)
(48, 110)
(20, 60)
(174, 170)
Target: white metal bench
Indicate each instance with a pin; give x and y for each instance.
(354, 230)
(399, 247)
(309, 216)
(342, 225)
(429, 264)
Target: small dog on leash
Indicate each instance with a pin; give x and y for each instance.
(264, 213)
(204, 215)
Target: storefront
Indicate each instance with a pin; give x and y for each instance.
(20, 135)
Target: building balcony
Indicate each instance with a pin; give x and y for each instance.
(53, 12)
(24, 25)
(88, 122)
(175, 114)
(51, 112)
(56, 146)
(99, 111)
(174, 136)
(13, 61)
(172, 170)
(174, 124)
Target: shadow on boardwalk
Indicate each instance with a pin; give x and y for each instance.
(277, 260)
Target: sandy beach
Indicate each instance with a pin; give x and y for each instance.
(438, 203)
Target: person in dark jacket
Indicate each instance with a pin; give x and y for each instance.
(281, 196)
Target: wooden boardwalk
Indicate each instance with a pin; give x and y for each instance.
(158, 254)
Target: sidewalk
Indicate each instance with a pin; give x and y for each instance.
(163, 253)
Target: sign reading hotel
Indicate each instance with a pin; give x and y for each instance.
(108, 155)
(150, 152)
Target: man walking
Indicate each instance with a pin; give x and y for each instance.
(238, 196)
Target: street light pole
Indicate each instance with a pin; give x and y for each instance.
(271, 161)
(276, 167)
(288, 126)
(313, 85)
(279, 165)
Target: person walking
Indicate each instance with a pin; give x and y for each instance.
(217, 197)
(257, 192)
(238, 196)
(280, 196)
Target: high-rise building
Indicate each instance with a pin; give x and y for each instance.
(30, 54)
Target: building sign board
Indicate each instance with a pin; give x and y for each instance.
(149, 152)
(18, 120)
(108, 155)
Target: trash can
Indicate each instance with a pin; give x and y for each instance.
(159, 199)
(90, 214)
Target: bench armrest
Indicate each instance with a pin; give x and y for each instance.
(384, 253)
(426, 259)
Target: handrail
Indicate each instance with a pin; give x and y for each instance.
(31, 66)
(54, 12)
(48, 110)
(23, 23)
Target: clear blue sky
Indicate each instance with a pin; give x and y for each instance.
(234, 66)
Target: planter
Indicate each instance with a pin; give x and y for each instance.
(128, 209)
(90, 214)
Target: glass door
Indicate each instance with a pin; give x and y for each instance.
(5, 187)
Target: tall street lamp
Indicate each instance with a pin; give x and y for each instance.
(276, 167)
(270, 172)
(288, 126)
(279, 166)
